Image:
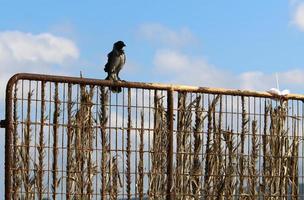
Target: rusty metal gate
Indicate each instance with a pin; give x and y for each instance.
(73, 138)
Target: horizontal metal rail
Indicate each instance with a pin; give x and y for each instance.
(158, 86)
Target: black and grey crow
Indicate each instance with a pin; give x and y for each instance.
(116, 60)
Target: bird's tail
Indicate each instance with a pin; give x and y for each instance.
(115, 89)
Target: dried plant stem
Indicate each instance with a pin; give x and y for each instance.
(253, 159)
(179, 140)
(197, 134)
(26, 150)
(293, 166)
(230, 172)
(40, 148)
(158, 178)
(90, 137)
(80, 144)
(277, 150)
(114, 172)
(193, 155)
(81, 167)
(217, 146)
(208, 162)
(265, 140)
(285, 149)
(103, 115)
(242, 159)
(140, 181)
(55, 142)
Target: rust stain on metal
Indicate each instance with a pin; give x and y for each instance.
(117, 156)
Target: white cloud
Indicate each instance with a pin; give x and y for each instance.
(180, 68)
(185, 69)
(19, 47)
(291, 79)
(296, 76)
(298, 16)
(161, 35)
(38, 53)
(171, 60)
(255, 80)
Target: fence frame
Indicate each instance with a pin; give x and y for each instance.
(7, 123)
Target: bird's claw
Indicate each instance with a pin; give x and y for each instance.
(118, 79)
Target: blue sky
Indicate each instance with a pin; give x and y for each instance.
(234, 44)
(231, 36)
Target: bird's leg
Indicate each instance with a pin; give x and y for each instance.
(119, 79)
(111, 76)
(108, 77)
(115, 77)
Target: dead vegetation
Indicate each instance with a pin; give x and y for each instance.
(157, 175)
(213, 159)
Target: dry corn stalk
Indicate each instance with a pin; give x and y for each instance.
(157, 176)
(82, 168)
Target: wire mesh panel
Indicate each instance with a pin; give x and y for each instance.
(73, 138)
(237, 147)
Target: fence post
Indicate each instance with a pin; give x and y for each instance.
(8, 137)
(170, 145)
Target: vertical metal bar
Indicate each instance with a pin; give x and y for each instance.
(22, 126)
(116, 142)
(109, 144)
(170, 119)
(8, 138)
(16, 170)
(96, 141)
(302, 134)
(141, 166)
(260, 145)
(136, 142)
(301, 109)
(155, 151)
(128, 155)
(140, 180)
(69, 141)
(149, 134)
(63, 136)
(123, 141)
(49, 138)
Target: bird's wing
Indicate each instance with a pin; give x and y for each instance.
(112, 62)
(122, 61)
(125, 58)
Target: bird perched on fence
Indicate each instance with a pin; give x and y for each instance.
(116, 60)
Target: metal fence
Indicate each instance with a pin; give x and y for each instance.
(73, 138)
